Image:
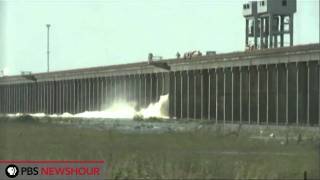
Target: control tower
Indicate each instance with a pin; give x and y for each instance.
(270, 21)
(250, 12)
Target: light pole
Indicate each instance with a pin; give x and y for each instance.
(48, 50)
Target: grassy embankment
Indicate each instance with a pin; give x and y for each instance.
(211, 152)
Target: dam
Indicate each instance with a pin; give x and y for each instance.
(266, 84)
(276, 86)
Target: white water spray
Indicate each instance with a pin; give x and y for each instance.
(118, 110)
(158, 110)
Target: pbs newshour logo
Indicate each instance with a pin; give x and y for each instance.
(12, 171)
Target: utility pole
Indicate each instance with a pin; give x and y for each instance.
(48, 50)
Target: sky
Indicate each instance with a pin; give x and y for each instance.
(90, 33)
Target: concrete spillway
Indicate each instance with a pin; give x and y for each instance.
(274, 86)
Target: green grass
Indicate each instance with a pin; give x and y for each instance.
(213, 152)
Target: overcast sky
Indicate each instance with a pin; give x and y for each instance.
(88, 33)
